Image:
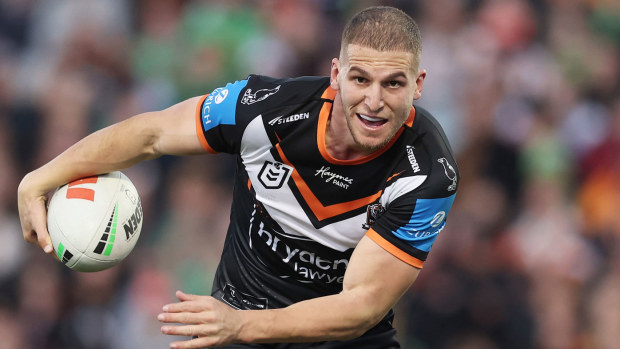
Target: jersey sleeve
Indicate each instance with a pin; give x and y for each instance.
(409, 226)
(218, 126)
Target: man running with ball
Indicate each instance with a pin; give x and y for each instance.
(342, 186)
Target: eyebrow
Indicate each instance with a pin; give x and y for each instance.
(389, 77)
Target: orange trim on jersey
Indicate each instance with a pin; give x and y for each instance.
(199, 133)
(322, 129)
(411, 117)
(329, 93)
(320, 211)
(394, 175)
(395, 251)
(249, 184)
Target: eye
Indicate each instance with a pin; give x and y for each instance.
(394, 83)
(360, 80)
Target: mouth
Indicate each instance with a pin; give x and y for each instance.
(371, 121)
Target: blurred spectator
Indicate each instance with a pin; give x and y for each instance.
(527, 91)
(599, 195)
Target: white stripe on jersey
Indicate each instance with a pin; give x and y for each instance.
(281, 203)
(400, 187)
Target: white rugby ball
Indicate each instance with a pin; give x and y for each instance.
(95, 222)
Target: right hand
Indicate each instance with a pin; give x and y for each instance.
(33, 215)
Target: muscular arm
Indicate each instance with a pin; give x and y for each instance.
(374, 281)
(142, 137)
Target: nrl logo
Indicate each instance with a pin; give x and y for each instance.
(260, 95)
(373, 212)
(273, 175)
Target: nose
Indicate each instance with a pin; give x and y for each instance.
(374, 98)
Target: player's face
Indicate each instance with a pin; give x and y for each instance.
(376, 89)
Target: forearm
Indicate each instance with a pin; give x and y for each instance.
(142, 137)
(368, 294)
(113, 148)
(336, 317)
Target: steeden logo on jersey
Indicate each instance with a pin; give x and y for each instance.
(334, 178)
(283, 120)
(412, 160)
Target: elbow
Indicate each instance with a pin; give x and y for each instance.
(355, 332)
(147, 134)
(352, 334)
(151, 148)
(361, 325)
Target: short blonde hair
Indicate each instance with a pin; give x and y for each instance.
(383, 28)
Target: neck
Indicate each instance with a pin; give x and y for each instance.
(339, 142)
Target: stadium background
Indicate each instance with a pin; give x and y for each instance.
(528, 92)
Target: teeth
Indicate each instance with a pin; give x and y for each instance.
(369, 118)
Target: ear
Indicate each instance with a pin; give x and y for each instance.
(419, 83)
(335, 69)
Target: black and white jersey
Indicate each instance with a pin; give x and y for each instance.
(297, 212)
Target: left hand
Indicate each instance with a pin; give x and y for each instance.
(214, 322)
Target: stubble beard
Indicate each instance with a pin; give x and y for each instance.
(369, 148)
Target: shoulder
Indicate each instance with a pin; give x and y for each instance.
(238, 102)
(426, 130)
(277, 91)
(425, 124)
(429, 154)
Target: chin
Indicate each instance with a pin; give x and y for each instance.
(371, 145)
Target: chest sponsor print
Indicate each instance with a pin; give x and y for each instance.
(333, 178)
(296, 257)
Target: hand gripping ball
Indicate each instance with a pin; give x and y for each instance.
(95, 222)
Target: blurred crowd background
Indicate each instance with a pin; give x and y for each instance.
(527, 91)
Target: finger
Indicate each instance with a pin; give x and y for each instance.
(30, 235)
(38, 216)
(182, 296)
(187, 306)
(185, 330)
(27, 230)
(182, 318)
(201, 342)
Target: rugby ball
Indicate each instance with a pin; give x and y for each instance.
(95, 222)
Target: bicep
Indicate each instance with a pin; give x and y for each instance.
(377, 278)
(176, 129)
